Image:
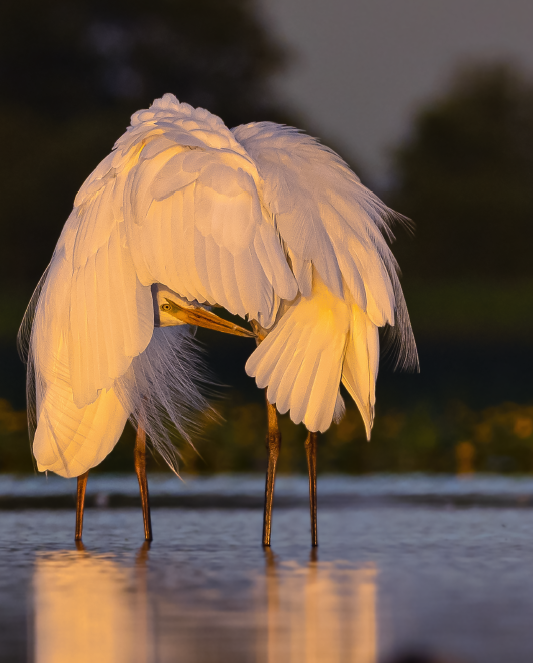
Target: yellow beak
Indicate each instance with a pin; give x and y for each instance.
(202, 318)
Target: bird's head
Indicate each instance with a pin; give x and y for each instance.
(170, 314)
(170, 310)
(169, 307)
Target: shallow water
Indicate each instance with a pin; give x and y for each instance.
(390, 577)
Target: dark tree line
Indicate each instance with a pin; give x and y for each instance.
(465, 176)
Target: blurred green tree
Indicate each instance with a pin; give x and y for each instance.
(72, 74)
(465, 176)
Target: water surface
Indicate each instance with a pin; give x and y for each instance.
(391, 576)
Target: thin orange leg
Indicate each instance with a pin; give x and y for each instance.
(273, 446)
(80, 504)
(310, 451)
(140, 469)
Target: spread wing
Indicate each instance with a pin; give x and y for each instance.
(334, 230)
(176, 203)
(326, 217)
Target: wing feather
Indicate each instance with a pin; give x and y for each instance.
(138, 194)
(301, 358)
(245, 221)
(175, 181)
(179, 274)
(116, 360)
(229, 278)
(303, 270)
(360, 368)
(274, 263)
(201, 200)
(70, 440)
(261, 364)
(281, 364)
(303, 384)
(328, 219)
(325, 388)
(285, 390)
(200, 262)
(214, 271)
(256, 293)
(199, 287)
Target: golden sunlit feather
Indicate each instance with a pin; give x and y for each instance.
(261, 220)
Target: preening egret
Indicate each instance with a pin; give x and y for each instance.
(184, 214)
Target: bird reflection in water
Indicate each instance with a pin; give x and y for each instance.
(88, 607)
(319, 613)
(98, 607)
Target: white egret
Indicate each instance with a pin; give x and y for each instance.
(184, 213)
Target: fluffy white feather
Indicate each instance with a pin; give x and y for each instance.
(302, 358)
(331, 223)
(326, 217)
(263, 221)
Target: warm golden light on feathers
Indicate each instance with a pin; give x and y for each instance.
(261, 220)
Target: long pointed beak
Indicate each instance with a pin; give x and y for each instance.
(202, 318)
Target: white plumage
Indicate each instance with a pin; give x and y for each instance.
(261, 220)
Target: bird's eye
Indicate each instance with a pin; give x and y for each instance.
(165, 307)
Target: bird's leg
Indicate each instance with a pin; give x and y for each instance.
(310, 451)
(80, 504)
(273, 446)
(140, 469)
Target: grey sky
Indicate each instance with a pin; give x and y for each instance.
(362, 66)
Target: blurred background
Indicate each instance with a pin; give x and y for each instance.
(430, 103)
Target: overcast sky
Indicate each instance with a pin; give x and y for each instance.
(360, 67)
